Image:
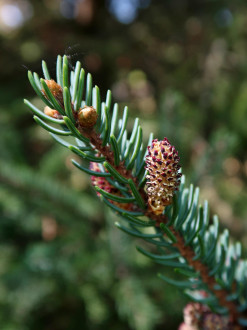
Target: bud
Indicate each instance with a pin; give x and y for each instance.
(55, 89)
(52, 113)
(103, 184)
(198, 316)
(215, 322)
(193, 313)
(184, 326)
(87, 116)
(163, 178)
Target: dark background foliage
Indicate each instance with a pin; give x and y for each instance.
(181, 66)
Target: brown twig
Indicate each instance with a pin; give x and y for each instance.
(108, 154)
(188, 253)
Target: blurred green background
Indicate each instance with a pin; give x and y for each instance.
(181, 66)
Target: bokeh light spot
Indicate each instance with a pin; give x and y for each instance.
(11, 15)
(30, 51)
(124, 11)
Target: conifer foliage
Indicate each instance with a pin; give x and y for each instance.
(143, 184)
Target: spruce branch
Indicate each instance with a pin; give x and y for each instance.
(189, 255)
(107, 152)
(152, 200)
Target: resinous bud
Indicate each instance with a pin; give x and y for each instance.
(87, 116)
(52, 113)
(55, 89)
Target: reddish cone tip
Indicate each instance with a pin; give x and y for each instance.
(103, 184)
(163, 178)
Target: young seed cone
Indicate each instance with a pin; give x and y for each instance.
(103, 184)
(164, 177)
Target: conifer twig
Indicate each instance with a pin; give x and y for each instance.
(103, 141)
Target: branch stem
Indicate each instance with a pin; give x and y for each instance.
(188, 254)
(109, 156)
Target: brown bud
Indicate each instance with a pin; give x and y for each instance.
(193, 313)
(184, 326)
(87, 116)
(52, 113)
(198, 316)
(213, 321)
(55, 89)
(163, 178)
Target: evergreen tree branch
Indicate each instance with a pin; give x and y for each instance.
(109, 156)
(191, 244)
(189, 255)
